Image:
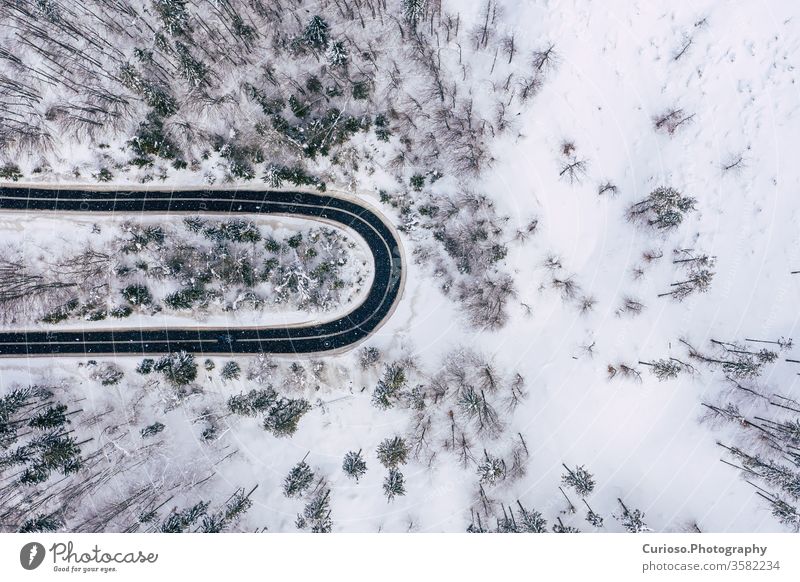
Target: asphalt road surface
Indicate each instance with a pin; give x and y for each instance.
(322, 337)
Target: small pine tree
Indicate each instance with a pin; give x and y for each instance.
(530, 520)
(394, 484)
(594, 518)
(230, 371)
(368, 357)
(108, 374)
(51, 417)
(632, 521)
(392, 452)
(664, 369)
(298, 480)
(137, 295)
(354, 465)
(42, 524)
(145, 366)
(178, 369)
(337, 54)
(317, 513)
(491, 470)
(195, 72)
(664, 208)
(389, 387)
(152, 430)
(316, 33)
(559, 527)
(253, 403)
(181, 521)
(414, 10)
(284, 416)
(579, 479)
(10, 172)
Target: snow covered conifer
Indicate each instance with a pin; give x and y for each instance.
(414, 10)
(389, 386)
(392, 452)
(252, 403)
(664, 208)
(145, 366)
(491, 470)
(337, 54)
(179, 369)
(230, 371)
(368, 357)
(394, 484)
(631, 520)
(41, 524)
(665, 369)
(594, 518)
(579, 479)
(51, 417)
(298, 480)
(354, 464)
(317, 513)
(316, 33)
(174, 15)
(530, 520)
(284, 415)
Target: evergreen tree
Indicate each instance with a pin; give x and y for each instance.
(230, 371)
(152, 430)
(137, 295)
(179, 369)
(784, 512)
(316, 33)
(108, 374)
(559, 527)
(491, 470)
(394, 484)
(152, 139)
(42, 523)
(664, 369)
(389, 387)
(253, 403)
(337, 54)
(284, 415)
(317, 513)
(579, 479)
(145, 366)
(368, 357)
(354, 465)
(414, 10)
(392, 452)
(195, 72)
(51, 417)
(664, 208)
(298, 480)
(174, 15)
(181, 521)
(632, 521)
(530, 520)
(382, 130)
(10, 172)
(594, 518)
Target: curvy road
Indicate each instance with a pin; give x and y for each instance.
(332, 335)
